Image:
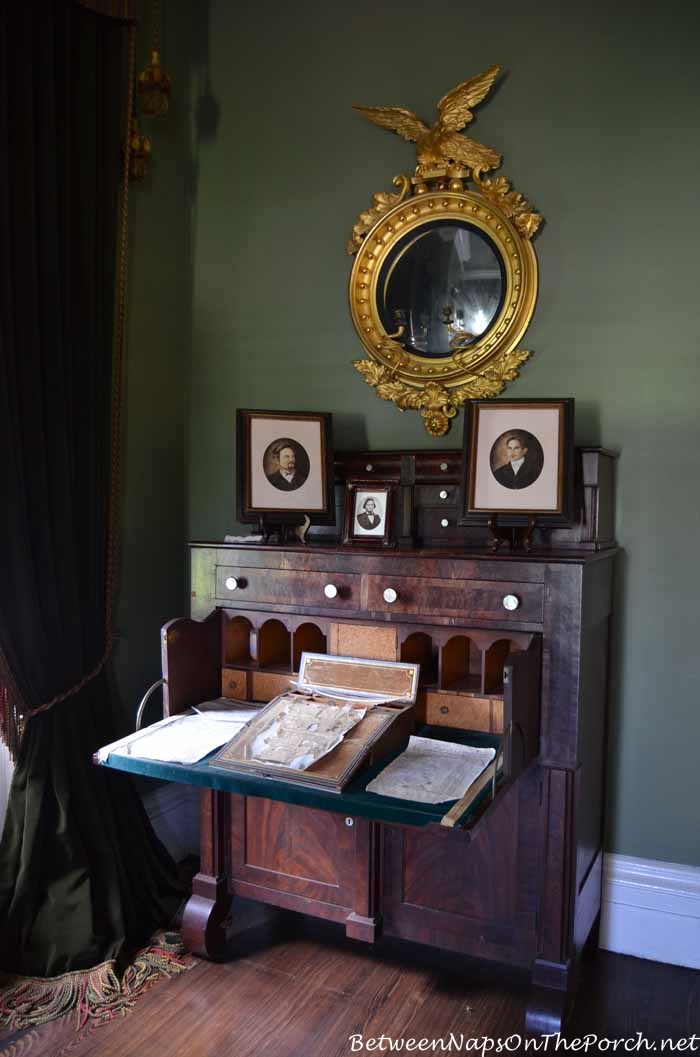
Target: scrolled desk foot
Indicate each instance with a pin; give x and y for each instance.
(547, 1011)
(205, 917)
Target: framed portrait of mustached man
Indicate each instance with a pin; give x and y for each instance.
(518, 458)
(285, 466)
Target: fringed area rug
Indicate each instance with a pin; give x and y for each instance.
(97, 993)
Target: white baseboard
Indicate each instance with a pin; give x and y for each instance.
(651, 910)
(174, 814)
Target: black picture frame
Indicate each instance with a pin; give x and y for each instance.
(268, 444)
(540, 434)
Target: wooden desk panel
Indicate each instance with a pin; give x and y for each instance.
(304, 859)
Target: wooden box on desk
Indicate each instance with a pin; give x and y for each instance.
(385, 690)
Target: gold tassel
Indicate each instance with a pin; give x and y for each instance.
(98, 993)
(154, 87)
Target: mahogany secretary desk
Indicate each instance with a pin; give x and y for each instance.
(514, 643)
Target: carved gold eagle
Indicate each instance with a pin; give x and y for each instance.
(442, 144)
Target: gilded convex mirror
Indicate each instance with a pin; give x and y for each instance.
(445, 277)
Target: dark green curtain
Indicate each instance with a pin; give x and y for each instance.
(82, 878)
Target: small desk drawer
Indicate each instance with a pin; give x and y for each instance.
(471, 599)
(284, 587)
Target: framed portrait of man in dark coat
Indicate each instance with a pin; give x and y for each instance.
(285, 462)
(369, 509)
(518, 458)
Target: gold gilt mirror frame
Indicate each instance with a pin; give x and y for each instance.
(444, 281)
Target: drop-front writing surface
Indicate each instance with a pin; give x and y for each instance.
(522, 883)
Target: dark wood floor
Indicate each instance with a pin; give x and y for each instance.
(298, 988)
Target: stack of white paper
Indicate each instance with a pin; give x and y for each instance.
(185, 738)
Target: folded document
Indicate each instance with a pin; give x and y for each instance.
(301, 732)
(432, 771)
(185, 738)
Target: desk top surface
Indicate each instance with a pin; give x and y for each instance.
(424, 555)
(354, 801)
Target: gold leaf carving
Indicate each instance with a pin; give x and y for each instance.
(466, 358)
(436, 422)
(508, 363)
(441, 144)
(382, 202)
(393, 351)
(434, 395)
(370, 371)
(492, 379)
(398, 392)
(477, 387)
(437, 404)
(505, 366)
(512, 203)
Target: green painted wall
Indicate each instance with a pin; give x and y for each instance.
(597, 121)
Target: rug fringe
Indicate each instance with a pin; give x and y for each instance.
(97, 993)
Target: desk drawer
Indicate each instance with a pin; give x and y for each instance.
(284, 587)
(470, 599)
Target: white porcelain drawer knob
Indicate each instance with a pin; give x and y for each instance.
(330, 591)
(511, 602)
(444, 494)
(390, 595)
(232, 583)
(444, 522)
